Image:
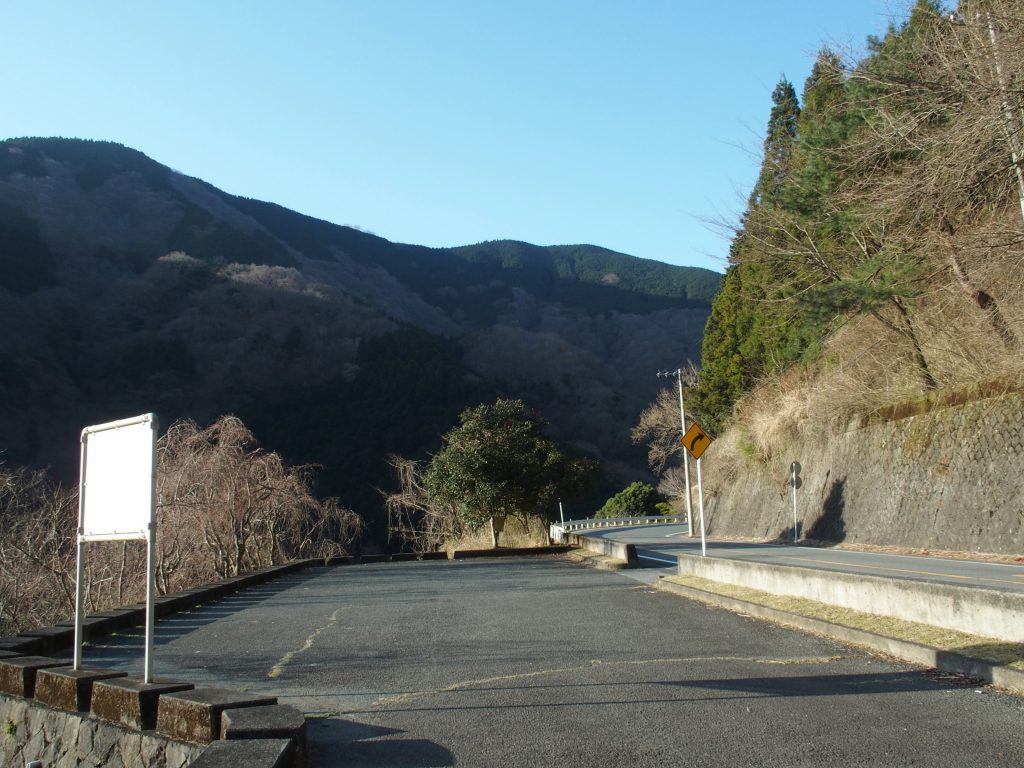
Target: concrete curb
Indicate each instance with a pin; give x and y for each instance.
(594, 560)
(617, 550)
(948, 661)
(972, 609)
(462, 554)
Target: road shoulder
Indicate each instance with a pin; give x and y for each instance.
(992, 661)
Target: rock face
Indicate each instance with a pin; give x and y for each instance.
(949, 479)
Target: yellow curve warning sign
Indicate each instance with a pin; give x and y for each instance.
(696, 440)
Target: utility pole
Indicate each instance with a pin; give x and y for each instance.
(678, 373)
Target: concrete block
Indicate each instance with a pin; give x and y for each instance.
(215, 590)
(70, 689)
(131, 703)
(16, 644)
(339, 560)
(462, 554)
(30, 646)
(92, 627)
(18, 673)
(52, 639)
(195, 716)
(190, 598)
(121, 618)
(409, 557)
(167, 605)
(275, 721)
(251, 753)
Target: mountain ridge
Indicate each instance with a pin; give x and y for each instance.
(127, 285)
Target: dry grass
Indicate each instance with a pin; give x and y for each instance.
(975, 646)
(866, 371)
(532, 532)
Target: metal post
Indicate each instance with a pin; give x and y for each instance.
(792, 481)
(700, 498)
(151, 563)
(80, 566)
(686, 459)
(561, 513)
(150, 605)
(79, 608)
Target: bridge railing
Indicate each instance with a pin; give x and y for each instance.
(559, 531)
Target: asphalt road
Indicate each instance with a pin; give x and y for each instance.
(542, 662)
(661, 544)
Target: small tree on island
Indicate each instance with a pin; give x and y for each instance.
(635, 500)
(498, 461)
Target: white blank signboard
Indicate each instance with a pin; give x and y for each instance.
(118, 478)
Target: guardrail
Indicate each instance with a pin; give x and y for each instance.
(558, 531)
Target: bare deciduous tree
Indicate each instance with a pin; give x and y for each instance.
(941, 151)
(414, 519)
(37, 550)
(218, 491)
(224, 506)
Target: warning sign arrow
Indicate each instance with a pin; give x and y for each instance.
(696, 440)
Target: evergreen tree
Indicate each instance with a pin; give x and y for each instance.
(498, 461)
(778, 144)
(741, 329)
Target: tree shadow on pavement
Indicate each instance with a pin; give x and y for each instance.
(337, 742)
(819, 685)
(131, 640)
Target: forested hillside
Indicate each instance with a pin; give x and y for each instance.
(126, 287)
(878, 266)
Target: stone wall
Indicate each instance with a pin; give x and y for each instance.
(29, 731)
(951, 479)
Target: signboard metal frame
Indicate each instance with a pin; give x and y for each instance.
(121, 506)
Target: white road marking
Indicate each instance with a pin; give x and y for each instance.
(672, 561)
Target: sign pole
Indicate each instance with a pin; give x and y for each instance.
(80, 564)
(700, 500)
(151, 564)
(686, 459)
(150, 612)
(696, 441)
(794, 480)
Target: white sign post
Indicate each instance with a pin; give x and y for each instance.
(700, 501)
(794, 480)
(117, 501)
(696, 441)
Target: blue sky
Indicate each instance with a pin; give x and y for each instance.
(628, 125)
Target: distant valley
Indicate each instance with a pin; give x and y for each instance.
(126, 287)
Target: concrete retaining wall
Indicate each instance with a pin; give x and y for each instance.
(952, 479)
(614, 549)
(30, 732)
(985, 612)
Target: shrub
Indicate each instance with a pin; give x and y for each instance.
(635, 500)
